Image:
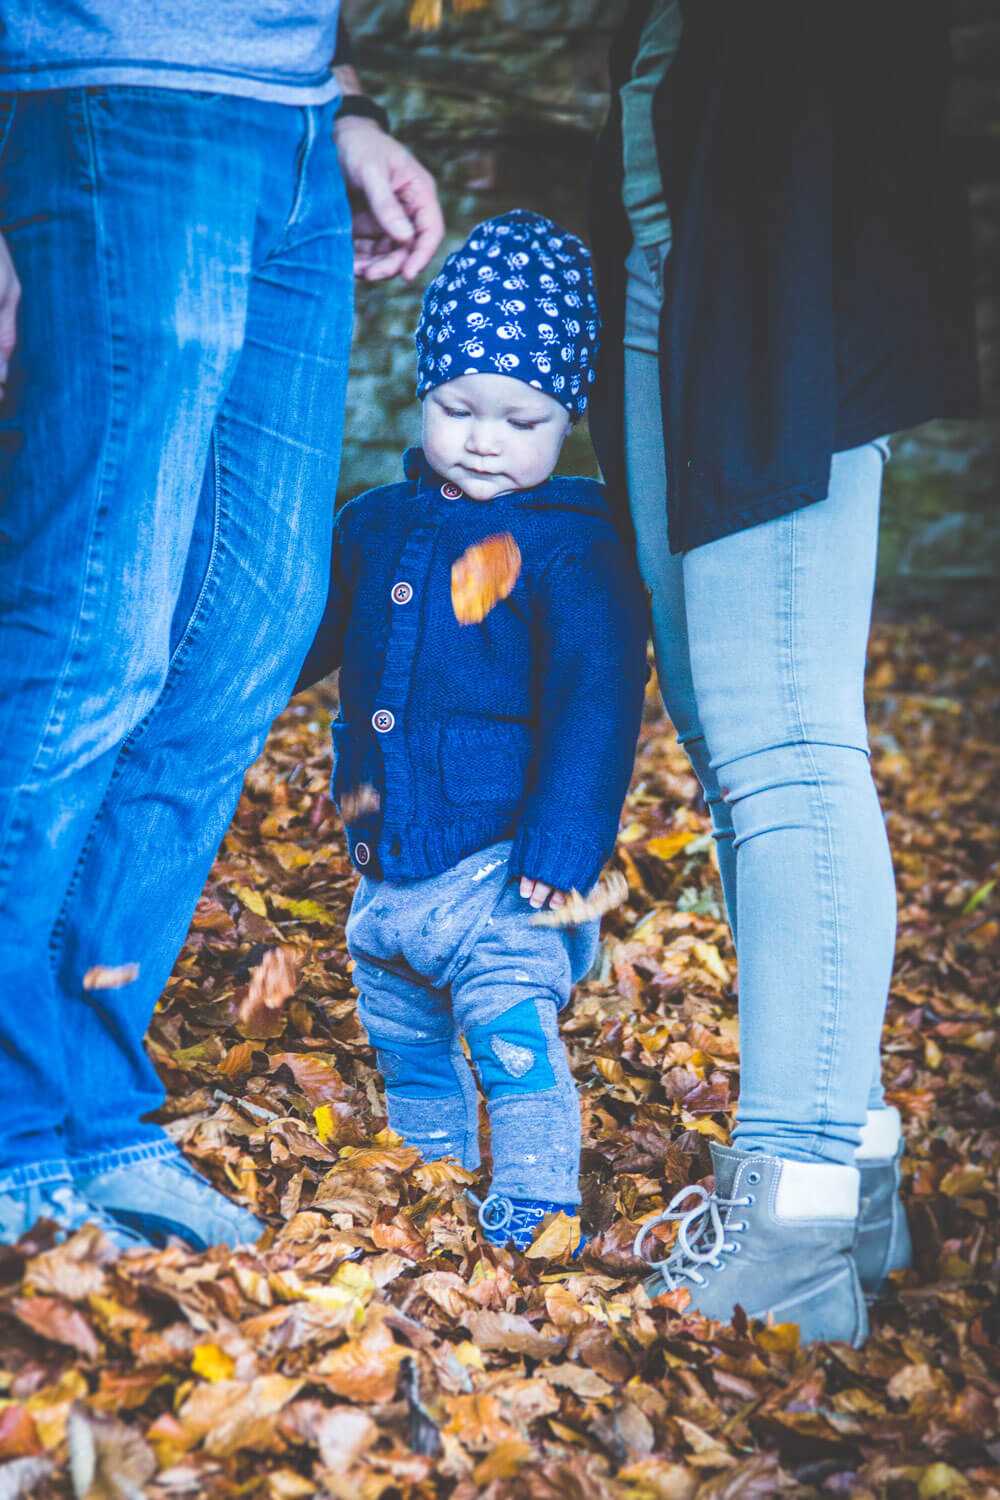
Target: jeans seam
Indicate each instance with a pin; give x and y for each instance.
(833, 1025)
(20, 822)
(109, 448)
(91, 1162)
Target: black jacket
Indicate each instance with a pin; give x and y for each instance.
(820, 287)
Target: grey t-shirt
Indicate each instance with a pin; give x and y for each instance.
(278, 50)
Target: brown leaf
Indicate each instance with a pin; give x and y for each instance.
(56, 1320)
(272, 983)
(483, 576)
(316, 1077)
(512, 1333)
(18, 1433)
(365, 1370)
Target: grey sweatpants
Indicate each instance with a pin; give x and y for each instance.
(456, 956)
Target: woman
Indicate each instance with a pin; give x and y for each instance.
(782, 257)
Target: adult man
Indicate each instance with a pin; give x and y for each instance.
(174, 194)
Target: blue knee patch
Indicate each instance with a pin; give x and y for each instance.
(418, 1070)
(511, 1053)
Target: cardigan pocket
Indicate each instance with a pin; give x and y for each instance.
(485, 765)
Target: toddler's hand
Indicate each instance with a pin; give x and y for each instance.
(537, 893)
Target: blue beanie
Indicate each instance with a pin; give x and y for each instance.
(516, 299)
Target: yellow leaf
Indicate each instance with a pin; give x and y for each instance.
(307, 911)
(960, 1182)
(323, 1115)
(705, 1125)
(213, 1363)
(502, 1463)
(558, 1240)
(252, 900)
(940, 1479)
(708, 955)
(933, 1055)
(425, 15)
(781, 1338)
(483, 576)
(669, 844)
(469, 1355)
(288, 855)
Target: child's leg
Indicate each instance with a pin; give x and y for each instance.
(505, 999)
(430, 1092)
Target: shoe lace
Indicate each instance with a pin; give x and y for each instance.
(702, 1234)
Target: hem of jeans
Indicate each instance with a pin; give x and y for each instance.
(35, 1174)
(109, 1160)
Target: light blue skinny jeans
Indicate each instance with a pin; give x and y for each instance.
(760, 643)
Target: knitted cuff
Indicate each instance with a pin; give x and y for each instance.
(557, 859)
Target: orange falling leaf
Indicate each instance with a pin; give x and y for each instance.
(483, 575)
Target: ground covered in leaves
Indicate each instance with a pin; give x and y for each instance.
(373, 1348)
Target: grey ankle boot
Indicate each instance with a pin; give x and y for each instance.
(883, 1238)
(776, 1237)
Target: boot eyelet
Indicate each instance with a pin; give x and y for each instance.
(753, 1178)
(751, 1200)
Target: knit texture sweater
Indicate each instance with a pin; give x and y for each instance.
(523, 726)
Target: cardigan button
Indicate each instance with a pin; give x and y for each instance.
(362, 854)
(451, 491)
(402, 593)
(383, 720)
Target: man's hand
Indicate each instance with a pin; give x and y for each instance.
(537, 893)
(397, 218)
(10, 296)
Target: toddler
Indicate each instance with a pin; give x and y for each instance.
(481, 767)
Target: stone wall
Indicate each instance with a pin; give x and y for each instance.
(502, 105)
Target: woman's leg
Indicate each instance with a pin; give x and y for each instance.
(662, 572)
(778, 619)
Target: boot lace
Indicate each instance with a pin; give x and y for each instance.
(703, 1232)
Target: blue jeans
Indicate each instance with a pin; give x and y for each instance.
(169, 448)
(457, 954)
(760, 642)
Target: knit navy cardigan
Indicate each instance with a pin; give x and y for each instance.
(523, 726)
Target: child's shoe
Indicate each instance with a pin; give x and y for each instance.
(516, 1221)
(883, 1238)
(775, 1237)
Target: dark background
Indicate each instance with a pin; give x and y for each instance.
(502, 104)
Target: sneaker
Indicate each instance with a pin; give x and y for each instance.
(165, 1196)
(516, 1221)
(21, 1208)
(775, 1238)
(883, 1238)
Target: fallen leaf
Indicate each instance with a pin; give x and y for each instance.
(107, 1460)
(213, 1363)
(56, 1320)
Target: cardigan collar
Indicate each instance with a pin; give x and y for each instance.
(556, 493)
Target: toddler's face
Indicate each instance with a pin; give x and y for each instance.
(490, 433)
